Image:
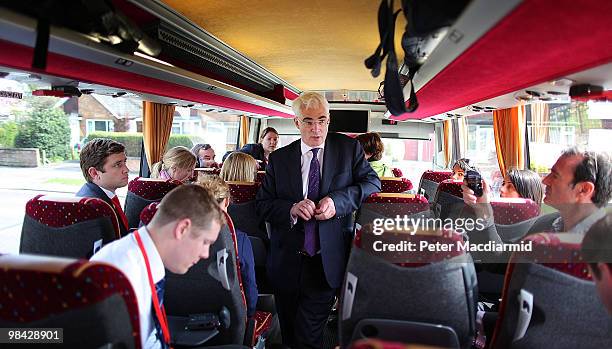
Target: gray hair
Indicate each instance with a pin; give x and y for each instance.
(308, 100)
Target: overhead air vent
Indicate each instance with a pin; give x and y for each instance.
(540, 96)
(203, 52)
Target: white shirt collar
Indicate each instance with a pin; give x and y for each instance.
(108, 193)
(306, 148)
(157, 265)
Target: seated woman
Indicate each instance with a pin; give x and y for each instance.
(374, 148)
(460, 167)
(220, 191)
(178, 164)
(268, 140)
(522, 184)
(239, 167)
(205, 154)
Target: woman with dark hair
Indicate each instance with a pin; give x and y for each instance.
(268, 140)
(460, 167)
(522, 184)
(373, 148)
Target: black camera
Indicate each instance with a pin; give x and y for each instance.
(474, 182)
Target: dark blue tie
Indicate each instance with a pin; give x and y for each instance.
(159, 288)
(311, 240)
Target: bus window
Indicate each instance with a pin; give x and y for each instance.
(555, 127)
(218, 129)
(480, 147)
(412, 156)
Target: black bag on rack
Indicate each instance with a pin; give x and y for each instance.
(428, 22)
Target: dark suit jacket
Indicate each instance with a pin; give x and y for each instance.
(256, 150)
(347, 179)
(91, 190)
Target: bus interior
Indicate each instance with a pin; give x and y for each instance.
(227, 70)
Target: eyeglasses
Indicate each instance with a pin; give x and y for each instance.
(310, 123)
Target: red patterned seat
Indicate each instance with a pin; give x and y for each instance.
(148, 212)
(395, 185)
(365, 239)
(430, 180)
(260, 176)
(94, 303)
(241, 192)
(514, 210)
(383, 288)
(448, 200)
(550, 283)
(67, 226)
(397, 172)
(451, 187)
(557, 251)
(143, 191)
(394, 204)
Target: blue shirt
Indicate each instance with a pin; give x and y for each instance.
(247, 271)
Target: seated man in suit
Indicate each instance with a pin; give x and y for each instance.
(311, 188)
(579, 186)
(104, 166)
(597, 252)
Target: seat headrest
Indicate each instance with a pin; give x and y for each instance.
(147, 213)
(451, 187)
(37, 287)
(514, 210)
(436, 176)
(151, 189)
(392, 204)
(241, 192)
(58, 212)
(559, 251)
(427, 245)
(395, 185)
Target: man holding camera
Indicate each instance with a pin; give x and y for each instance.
(579, 186)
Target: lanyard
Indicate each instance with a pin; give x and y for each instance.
(159, 311)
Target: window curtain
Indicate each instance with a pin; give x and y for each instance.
(448, 142)
(509, 129)
(156, 128)
(463, 137)
(244, 130)
(539, 122)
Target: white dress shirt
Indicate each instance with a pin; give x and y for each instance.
(125, 255)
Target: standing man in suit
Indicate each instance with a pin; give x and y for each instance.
(104, 166)
(311, 188)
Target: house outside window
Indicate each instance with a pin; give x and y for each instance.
(100, 126)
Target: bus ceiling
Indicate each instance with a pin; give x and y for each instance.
(256, 58)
